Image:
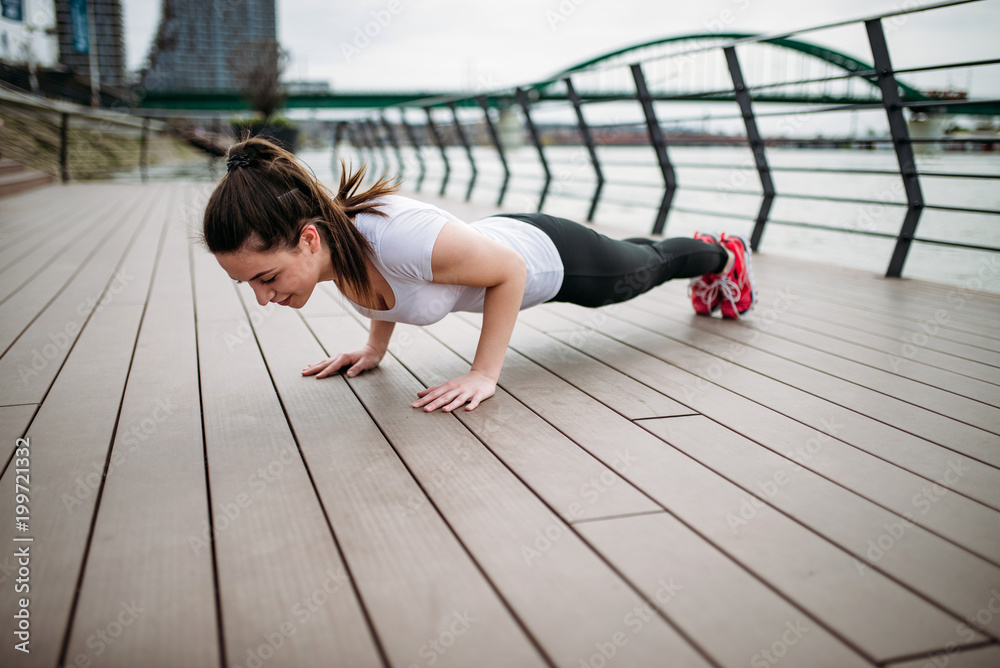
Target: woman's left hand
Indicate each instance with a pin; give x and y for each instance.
(474, 388)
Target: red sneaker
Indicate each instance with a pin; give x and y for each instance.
(704, 290)
(737, 290)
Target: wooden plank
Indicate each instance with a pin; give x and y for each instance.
(972, 441)
(567, 597)
(815, 575)
(692, 374)
(14, 421)
(33, 361)
(955, 579)
(739, 620)
(573, 483)
(19, 310)
(70, 438)
(963, 324)
(945, 341)
(714, 335)
(617, 391)
(283, 588)
(893, 348)
(58, 241)
(46, 221)
(420, 606)
(825, 451)
(986, 657)
(145, 586)
(916, 291)
(904, 346)
(777, 328)
(893, 297)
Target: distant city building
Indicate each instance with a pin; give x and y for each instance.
(77, 38)
(26, 29)
(196, 38)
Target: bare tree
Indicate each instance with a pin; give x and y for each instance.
(257, 68)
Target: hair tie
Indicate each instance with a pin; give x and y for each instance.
(237, 160)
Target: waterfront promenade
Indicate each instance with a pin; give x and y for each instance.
(817, 485)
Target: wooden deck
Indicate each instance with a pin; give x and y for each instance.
(818, 485)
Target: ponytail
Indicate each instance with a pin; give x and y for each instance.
(267, 198)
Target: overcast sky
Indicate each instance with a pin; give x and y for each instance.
(469, 44)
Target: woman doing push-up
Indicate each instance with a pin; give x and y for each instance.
(270, 223)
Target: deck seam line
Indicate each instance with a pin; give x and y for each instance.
(492, 585)
(71, 617)
(376, 640)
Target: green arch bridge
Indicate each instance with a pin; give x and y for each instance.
(823, 90)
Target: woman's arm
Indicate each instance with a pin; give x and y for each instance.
(462, 256)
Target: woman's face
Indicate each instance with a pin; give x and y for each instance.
(284, 277)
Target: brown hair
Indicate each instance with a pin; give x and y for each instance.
(268, 197)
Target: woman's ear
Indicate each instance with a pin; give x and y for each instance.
(311, 238)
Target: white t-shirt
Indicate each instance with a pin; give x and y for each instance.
(403, 242)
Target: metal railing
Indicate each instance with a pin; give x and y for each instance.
(376, 137)
(72, 142)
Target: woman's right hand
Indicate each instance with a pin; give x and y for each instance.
(358, 361)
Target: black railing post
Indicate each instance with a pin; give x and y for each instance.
(416, 147)
(468, 150)
(901, 141)
(395, 145)
(341, 129)
(522, 98)
(380, 143)
(64, 148)
(589, 142)
(495, 138)
(656, 136)
(440, 144)
(369, 143)
(143, 150)
(756, 145)
(360, 140)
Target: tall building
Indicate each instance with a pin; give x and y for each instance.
(196, 39)
(84, 26)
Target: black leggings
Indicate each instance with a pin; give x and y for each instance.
(599, 270)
